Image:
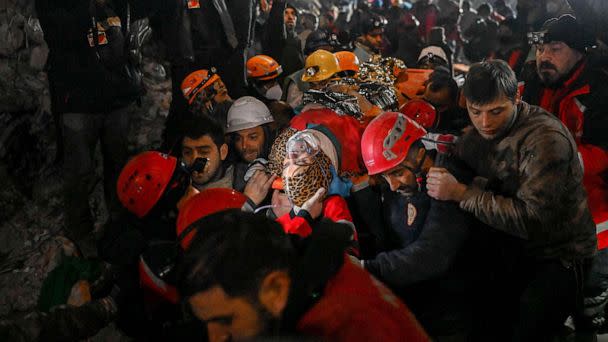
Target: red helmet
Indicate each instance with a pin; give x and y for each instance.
(420, 111)
(155, 266)
(387, 140)
(205, 203)
(143, 180)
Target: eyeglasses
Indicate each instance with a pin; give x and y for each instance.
(301, 148)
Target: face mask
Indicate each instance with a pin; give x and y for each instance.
(274, 93)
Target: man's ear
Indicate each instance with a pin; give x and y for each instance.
(518, 97)
(420, 154)
(223, 151)
(274, 292)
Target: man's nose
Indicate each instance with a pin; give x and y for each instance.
(485, 120)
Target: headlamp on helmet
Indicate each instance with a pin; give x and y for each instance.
(536, 38)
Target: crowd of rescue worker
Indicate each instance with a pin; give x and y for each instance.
(338, 170)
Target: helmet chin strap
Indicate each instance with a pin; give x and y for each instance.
(417, 171)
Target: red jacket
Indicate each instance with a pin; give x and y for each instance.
(580, 103)
(334, 208)
(355, 306)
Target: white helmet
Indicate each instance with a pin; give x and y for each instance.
(247, 112)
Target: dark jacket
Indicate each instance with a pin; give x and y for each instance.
(429, 265)
(534, 186)
(279, 43)
(429, 234)
(83, 78)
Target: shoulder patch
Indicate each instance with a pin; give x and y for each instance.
(412, 212)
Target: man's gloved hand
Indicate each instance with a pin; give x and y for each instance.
(258, 185)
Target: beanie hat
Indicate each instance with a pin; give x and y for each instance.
(566, 29)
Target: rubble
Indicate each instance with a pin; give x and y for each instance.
(31, 219)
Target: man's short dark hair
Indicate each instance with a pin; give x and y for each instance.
(487, 81)
(235, 251)
(441, 78)
(201, 125)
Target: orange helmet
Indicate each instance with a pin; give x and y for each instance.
(197, 81)
(207, 202)
(348, 61)
(411, 84)
(143, 181)
(263, 68)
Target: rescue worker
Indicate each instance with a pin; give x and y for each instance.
(562, 81)
(206, 94)
(531, 199)
(251, 135)
(204, 151)
(371, 40)
(293, 86)
(262, 73)
(320, 69)
(263, 76)
(441, 91)
(153, 186)
(425, 260)
(150, 186)
(314, 291)
(201, 35)
(204, 142)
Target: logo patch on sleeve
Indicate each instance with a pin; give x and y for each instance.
(411, 214)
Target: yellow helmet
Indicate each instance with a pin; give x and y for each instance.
(320, 65)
